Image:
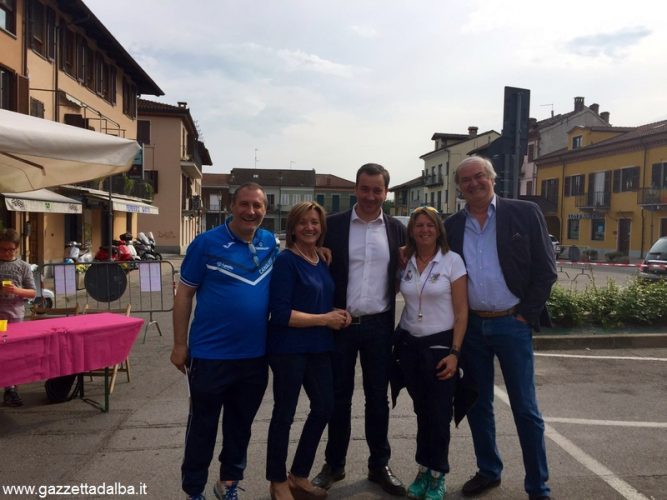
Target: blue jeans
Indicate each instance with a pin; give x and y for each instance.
(290, 372)
(236, 385)
(372, 340)
(511, 341)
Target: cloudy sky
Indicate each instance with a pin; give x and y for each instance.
(331, 85)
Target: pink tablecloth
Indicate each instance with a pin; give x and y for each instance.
(42, 349)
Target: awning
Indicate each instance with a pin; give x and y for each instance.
(42, 200)
(125, 205)
(37, 153)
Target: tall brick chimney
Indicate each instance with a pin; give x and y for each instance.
(472, 131)
(578, 103)
(595, 108)
(605, 116)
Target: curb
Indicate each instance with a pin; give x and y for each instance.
(615, 341)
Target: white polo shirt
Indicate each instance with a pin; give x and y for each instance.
(434, 286)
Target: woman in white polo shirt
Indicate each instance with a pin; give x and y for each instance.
(431, 332)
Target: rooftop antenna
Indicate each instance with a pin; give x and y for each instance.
(291, 162)
(552, 108)
(256, 160)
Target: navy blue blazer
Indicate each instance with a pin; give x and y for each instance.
(525, 253)
(338, 240)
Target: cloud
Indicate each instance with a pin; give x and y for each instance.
(612, 45)
(363, 31)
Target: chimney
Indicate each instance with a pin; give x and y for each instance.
(595, 108)
(532, 123)
(472, 131)
(605, 116)
(182, 104)
(578, 103)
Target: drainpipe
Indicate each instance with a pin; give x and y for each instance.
(641, 245)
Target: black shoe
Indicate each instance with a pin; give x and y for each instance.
(386, 479)
(478, 484)
(328, 476)
(12, 397)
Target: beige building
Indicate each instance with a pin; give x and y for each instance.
(439, 164)
(59, 62)
(173, 157)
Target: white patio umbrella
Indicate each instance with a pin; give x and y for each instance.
(37, 153)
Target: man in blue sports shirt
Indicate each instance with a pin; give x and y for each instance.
(228, 269)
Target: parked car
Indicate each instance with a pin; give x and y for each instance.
(654, 266)
(403, 218)
(556, 244)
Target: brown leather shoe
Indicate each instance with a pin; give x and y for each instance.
(328, 476)
(386, 479)
(302, 489)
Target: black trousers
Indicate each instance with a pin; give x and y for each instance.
(432, 398)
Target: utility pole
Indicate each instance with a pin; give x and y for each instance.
(256, 160)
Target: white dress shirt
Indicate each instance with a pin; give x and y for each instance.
(367, 290)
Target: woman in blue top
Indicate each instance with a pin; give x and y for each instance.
(299, 346)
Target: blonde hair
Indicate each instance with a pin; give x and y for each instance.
(295, 215)
(441, 238)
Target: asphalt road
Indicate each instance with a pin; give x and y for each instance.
(606, 439)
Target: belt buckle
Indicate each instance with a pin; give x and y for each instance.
(356, 320)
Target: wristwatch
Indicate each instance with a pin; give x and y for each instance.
(455, 352)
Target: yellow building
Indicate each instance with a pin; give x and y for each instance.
(59, 62)
(608, 188)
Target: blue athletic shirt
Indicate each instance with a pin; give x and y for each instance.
(232, 296)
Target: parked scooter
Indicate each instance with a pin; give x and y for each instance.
(77, 253)
(146, 248)
(44, 297)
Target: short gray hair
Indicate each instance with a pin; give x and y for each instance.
(485, 162)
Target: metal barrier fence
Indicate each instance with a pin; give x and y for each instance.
(147, 286)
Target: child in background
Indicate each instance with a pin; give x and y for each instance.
(18, 286)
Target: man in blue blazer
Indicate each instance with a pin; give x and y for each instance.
(511, 269)
(364, 243)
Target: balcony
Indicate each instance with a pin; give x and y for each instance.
(593, 201)
(122, 184)
(433, 180)
(652, 198)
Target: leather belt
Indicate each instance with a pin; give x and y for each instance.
(358, 320)
(494, 314)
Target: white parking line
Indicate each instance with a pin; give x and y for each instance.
(587, 356)
(623, 488)
(613, 423)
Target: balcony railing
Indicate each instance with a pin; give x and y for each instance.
(433, 180)
(594, 200)
(652, 197)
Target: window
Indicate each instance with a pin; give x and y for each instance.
(531, 152)
(626, 179)
(597, 229)
(271, 199)
(573, 229)
(143, 132)
(68, 52)
(320, 199)
(42, 24)
(335, 203)
(577, 142)
(7, 89)
(8, 15)
(129, 99)
(439, 205)
(550, 190)
(574, 185)
(36, 108)
(659, 176)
